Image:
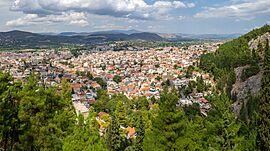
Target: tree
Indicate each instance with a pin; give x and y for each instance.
(101, 82)
(46, 116)
(114, 136)
(222, 127)
(85, 136)
(117, 79)
(264, 131)
(158, 78)
(167, 127)
(89, 76)
(9, 108)
(140, 130)
(175, 66)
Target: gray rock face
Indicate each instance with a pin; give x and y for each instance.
(253, 44)
(252, 84)
(242, 88)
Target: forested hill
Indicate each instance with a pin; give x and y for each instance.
(233, 54)
(22, 39)
(241, 69)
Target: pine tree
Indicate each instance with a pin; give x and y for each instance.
(116, 138)
(85, 136)
(120, 114)
(167, 127)
(264, 131)
(9, 108)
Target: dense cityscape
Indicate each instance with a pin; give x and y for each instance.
(134, 75)
(131, 73)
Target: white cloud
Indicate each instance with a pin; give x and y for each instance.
(33, 19)
(190, 5)
(5, 3)
(245, 10)
(51, 10)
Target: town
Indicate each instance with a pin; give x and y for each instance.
(131, 73)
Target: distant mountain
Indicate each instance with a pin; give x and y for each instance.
(176, 37)
(213, 36)
(18, 39)
(181, 37)
(128, 32)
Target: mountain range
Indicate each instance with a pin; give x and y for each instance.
(23, 39)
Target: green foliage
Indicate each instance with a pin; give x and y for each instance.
(167, 126)
(158, 78)
(264, 130)
(193, 110)
(250, 71)
(231, 55)
(85, 136)
(101, 82)
(75, 52)
(36, 118)
(89, 76)
(82, 73)
(115, 137)
(117, 78)
(250, 120)
(9, 108)
(189, 71)
(222, 126)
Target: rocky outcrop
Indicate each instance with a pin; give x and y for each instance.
(253, 44)
(241, 89)
(251, 86)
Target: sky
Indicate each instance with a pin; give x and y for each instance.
(160, 16)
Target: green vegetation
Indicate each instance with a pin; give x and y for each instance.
(117, 78)
(34, 117)
(231, 55)
(253, 120)
(101, 82)
(264, 129)
(250, 71)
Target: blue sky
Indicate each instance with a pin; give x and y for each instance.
(163, 16)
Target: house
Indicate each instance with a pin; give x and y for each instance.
(102, 123)
(131, 133)
(81, 109)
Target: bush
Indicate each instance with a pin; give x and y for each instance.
(251, 71)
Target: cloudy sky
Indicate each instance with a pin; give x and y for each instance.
(166, 16)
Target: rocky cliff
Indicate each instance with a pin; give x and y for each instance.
(241, 89)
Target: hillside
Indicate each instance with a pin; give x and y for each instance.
(237, 66)
(231, 55)
(21, 39)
